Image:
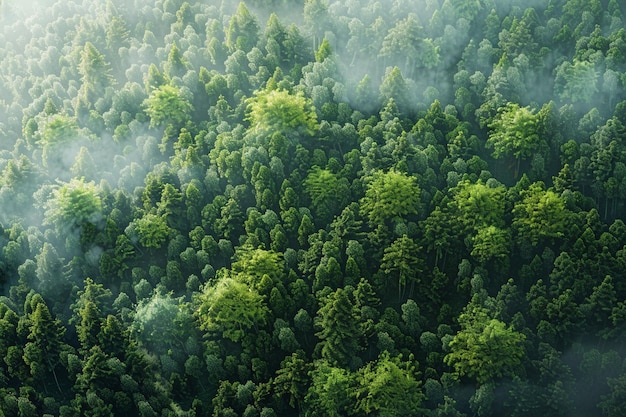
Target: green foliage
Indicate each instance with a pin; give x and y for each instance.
(74, 204)
(338, 329)
(400, 260)
(491, 243)
(577, 82)
(277, 110)
(477, 204)
(247, 201)
(153, 230)
(230, 308)
(95, 72)
(330, 391)
(514, 132)
(167, 105)
(324, 51)
(485, 348)
(390, 196)
(162, 322)
(541, 215)
(389, 387)
(327, 191)
(242, 31)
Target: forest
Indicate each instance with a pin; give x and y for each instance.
(312, 208)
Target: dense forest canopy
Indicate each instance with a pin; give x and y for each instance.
(312, 208)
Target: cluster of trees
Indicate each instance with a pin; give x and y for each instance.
(319, 207)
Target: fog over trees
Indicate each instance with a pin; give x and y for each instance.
(312, 208)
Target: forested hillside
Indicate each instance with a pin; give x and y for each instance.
(312, 208)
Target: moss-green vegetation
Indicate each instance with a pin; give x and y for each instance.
(312, 208)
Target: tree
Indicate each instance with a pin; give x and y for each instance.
(613, 403)
(162, 322)
(541, 215)
(176, 65)
(45, 343)
(394, 87)
(74, 205)
(152, 230)
(324, 51)
(339, 331)
(514, 132)
(242, 32)
(167, 105)
(330, 390)
(390, 196)
(96, 75)
(477, 205)
(230, 308)
(576, 82)
(403, 43)
(56, 132)
(84, 166)
(389, 387)
(253, 264)
(328, 192)
(485, 348)
(400, 260)
(50, 273)
(317, 19)
(117, 34)
(278, 110)
(291, 379)
(492, 243)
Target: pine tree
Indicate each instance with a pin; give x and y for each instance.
(339, 329)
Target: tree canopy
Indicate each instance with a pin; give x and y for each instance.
(324, 207)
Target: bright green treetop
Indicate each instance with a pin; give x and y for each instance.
(485, 348)
(166, 105)
(73, 204)
(272, 111)
(514, 132)
(230, 308)
(390, 195)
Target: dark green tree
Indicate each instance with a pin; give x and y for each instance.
(42, 352)
(339, 332)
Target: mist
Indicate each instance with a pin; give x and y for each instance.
(287, 207)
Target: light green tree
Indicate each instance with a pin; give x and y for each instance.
(162, 322)
(153, 230)
(491, 243)
(328, 192)
(330, 390)
(541, 215)
(478, 204)
(95, 75)
(389, 387)
(277, 110)
(73, 205)
(230, 308)
(253, 264)
(514, 132)
(576, 81)
(56, 132)
(485, 348)
(401, 261)
(242, 32)
(167, 105)
(390, 195)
